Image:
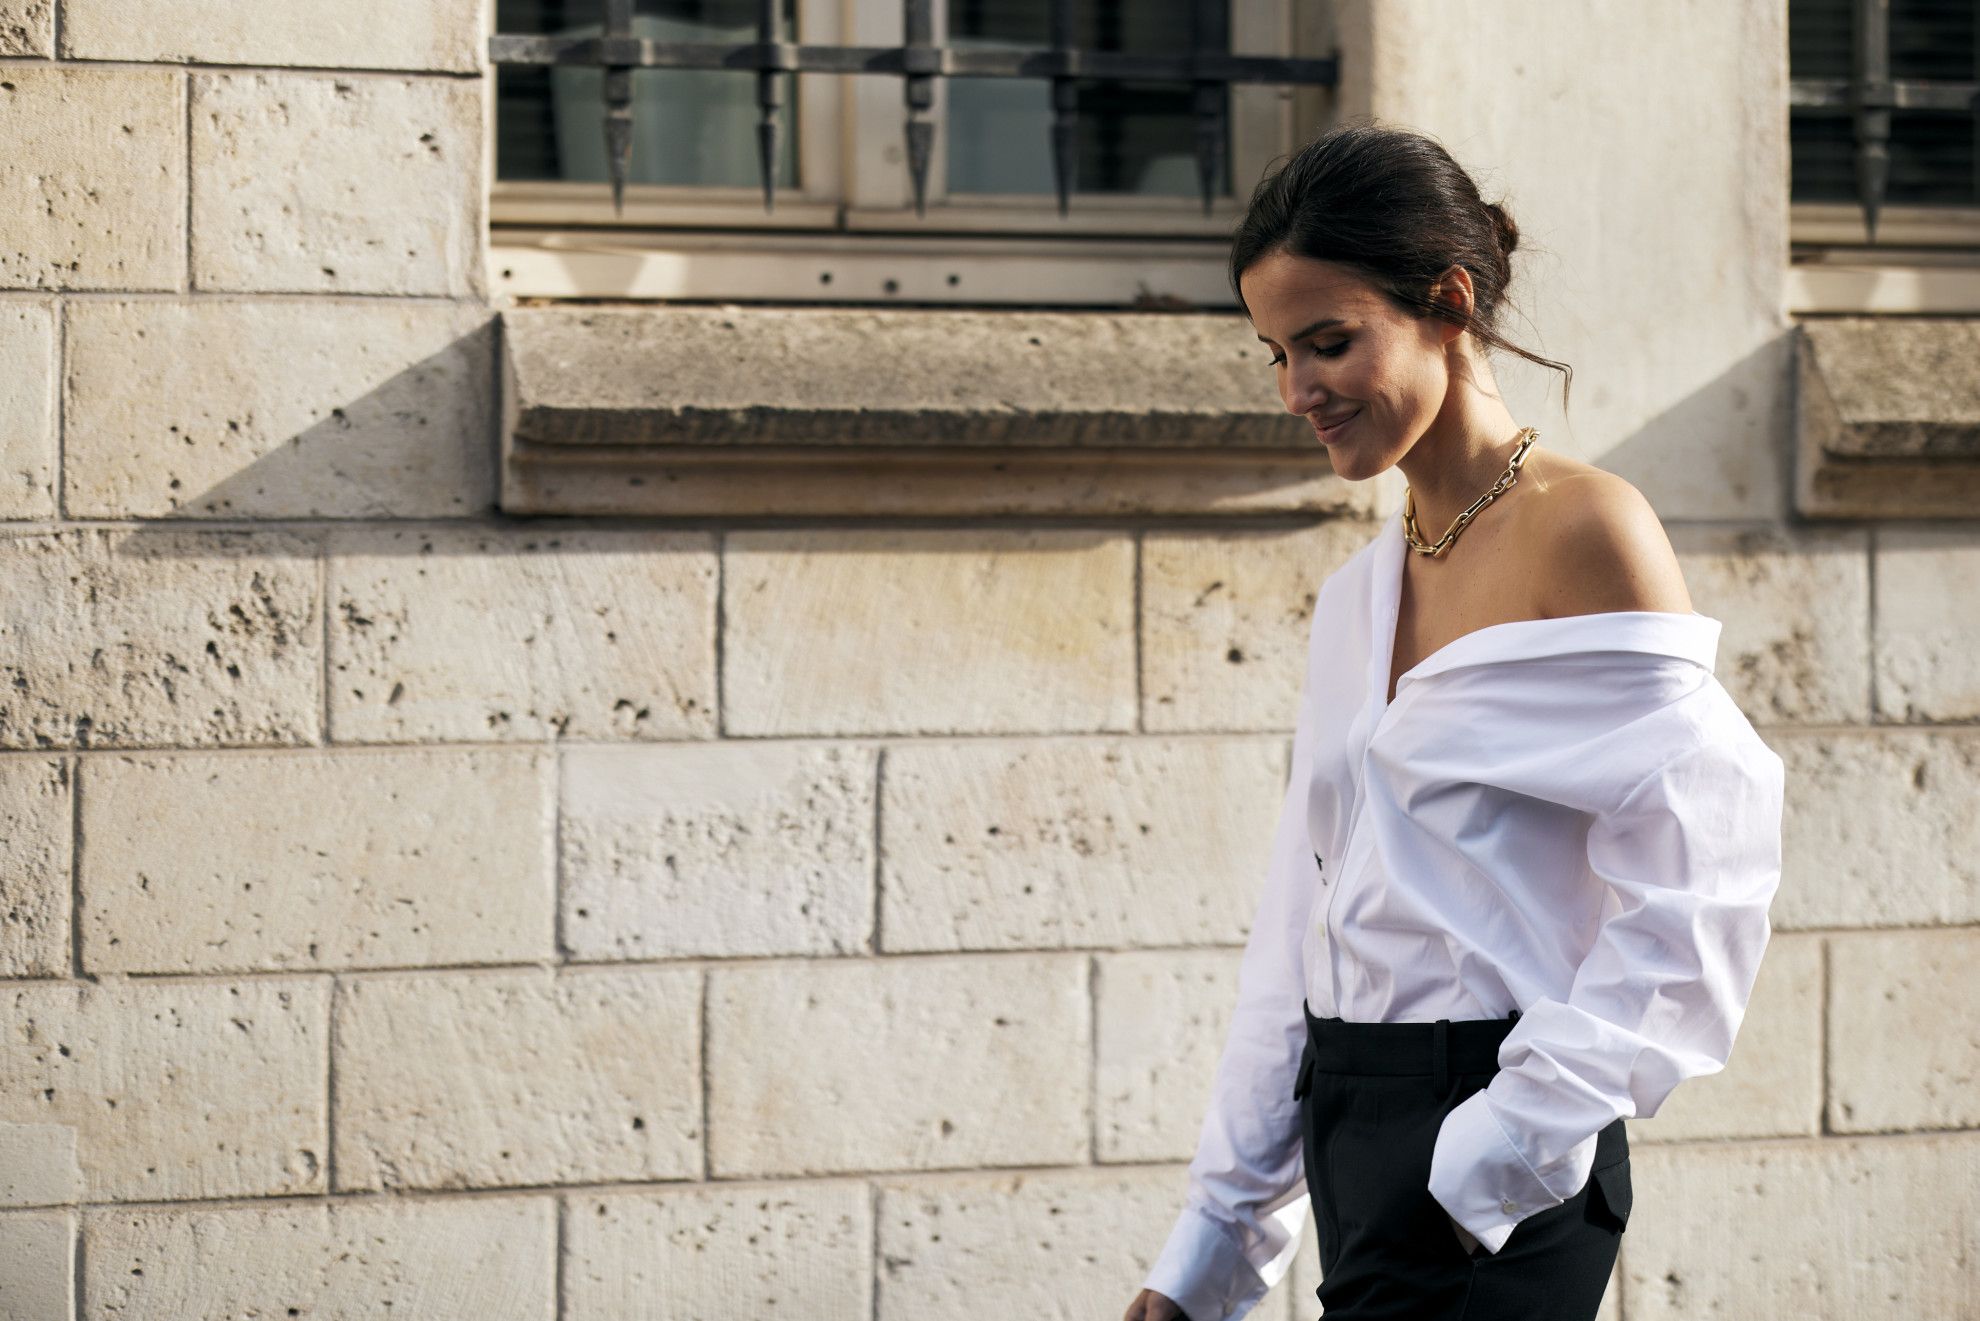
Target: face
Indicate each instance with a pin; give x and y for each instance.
(1380, 375)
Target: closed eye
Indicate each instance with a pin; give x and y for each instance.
(1331, 351)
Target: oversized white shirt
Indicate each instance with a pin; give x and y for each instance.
(1568, 816)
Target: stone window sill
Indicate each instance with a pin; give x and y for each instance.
(1887, 417)
(727, 410)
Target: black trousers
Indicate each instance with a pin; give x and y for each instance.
(1373, 1096)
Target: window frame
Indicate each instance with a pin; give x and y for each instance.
(563, 240)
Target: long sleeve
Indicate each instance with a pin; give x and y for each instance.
(1691, 856)
(1246, 1202)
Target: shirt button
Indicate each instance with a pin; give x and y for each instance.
(1509, 1206)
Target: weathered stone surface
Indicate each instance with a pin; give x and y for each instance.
(1077, 842)
(1796, 614)
(840, 1065)
(521, 634)
(120, 638)
(1928, 623)
(1772, 1083)
(37, 847)
(1888, 418)
(323, 184)
(1830, 1227)
(176, 1089)
(724, 849)
(365, 34)
(95, 170)
(27, 401)
(433, 1257)
(278, 408)
(27, 27)
(801, 1251)
(1059, 1243)
(1904, 1030)
(1879, 829)
(927, 631)
(1225, 619)
(323, 859)
(38, 1167)
(491, 1079)
(37, 1265)
(1160, 1021)
(896, 376)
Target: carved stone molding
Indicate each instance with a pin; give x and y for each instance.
(1887, 417)
(745, 411)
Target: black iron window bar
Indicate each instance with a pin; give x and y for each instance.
(920, 62)
(1871, 94)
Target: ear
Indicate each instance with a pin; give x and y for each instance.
(1453, 288)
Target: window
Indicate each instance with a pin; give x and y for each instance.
(844, 226)
(1921, 177)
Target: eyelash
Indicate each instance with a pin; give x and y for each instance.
(1331, 351)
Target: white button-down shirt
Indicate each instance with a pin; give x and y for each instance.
(1567, 816)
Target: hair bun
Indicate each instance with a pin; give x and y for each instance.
(1503, 222)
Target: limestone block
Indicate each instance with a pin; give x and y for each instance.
(1772, 1083)
(1160, 1017)
(1928, 623)
(128, 638)
(837, 1065)
(364, 34)
(323, 184)
(38, 1165)
(1904, 1030)
(1878, 828)
(927, 631)
(724, 849)
(801, 1251)
(334, 860)
(997, 844)
(37, 1265)
(502, 1078)
(27, 401)
(1828, 1227)
(95, 174)
(37, 846)
(176, 1089)
(434, 1258)
(521, 634)
(1058, 1243)
(1796, 614)
(278, 408)
(1225, 619)
(27, 27)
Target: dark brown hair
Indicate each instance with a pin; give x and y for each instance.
(1391, 204)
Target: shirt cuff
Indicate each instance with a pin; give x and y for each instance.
(1202, 1270)
(1479, 1177)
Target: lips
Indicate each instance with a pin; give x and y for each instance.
(1327, 430)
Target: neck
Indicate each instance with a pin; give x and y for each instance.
(1458, 458)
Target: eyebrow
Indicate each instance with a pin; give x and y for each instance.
(1321, 324)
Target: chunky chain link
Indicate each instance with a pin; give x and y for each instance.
(1506, 479)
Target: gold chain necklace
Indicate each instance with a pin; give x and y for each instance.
(1506, 479)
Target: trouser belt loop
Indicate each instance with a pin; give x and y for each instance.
(1440, 1055)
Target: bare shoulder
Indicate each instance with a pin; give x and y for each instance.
(1597, 545)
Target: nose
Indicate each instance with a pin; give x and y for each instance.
(1304, 395)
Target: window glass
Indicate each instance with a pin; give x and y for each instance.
(1136, 138)
(690, 126)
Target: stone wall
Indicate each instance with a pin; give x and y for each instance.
(409, 905)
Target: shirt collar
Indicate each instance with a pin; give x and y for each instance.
(1693, 637)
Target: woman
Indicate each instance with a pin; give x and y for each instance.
(1520, 885)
